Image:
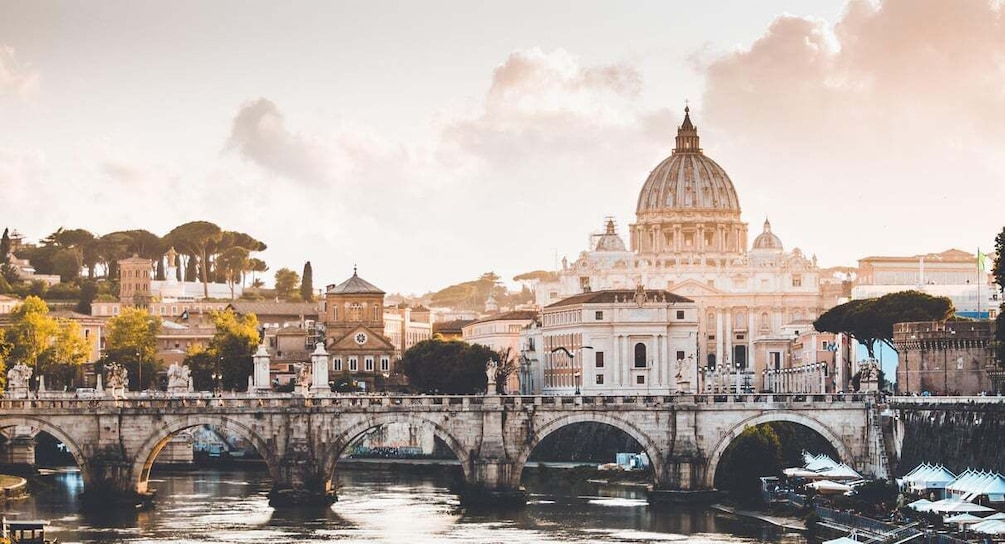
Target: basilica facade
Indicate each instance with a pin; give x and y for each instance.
(689, 239)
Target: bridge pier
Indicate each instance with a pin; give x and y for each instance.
(109, 482)
(18, 455)
(299, 481)
(493, 483)
(682, 481)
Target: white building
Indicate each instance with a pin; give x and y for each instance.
(613, 342)
(501, 333)
(689, 239)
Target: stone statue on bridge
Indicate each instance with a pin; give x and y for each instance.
(491, 373)
(17, 381)
(179, 378)
(117, 379)
(303, 378)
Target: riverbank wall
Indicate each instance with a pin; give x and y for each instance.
(959, 435)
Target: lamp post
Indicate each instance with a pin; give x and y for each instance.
(572, 356)
(218, 375)
(139, 372)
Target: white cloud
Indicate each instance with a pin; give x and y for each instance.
(881, 127)
(16, 78)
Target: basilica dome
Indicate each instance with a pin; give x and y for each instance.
(687, 180)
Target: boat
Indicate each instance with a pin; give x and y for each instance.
(25, 532)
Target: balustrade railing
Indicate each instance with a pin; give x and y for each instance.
(58, 401)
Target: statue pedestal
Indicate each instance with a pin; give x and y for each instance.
(18, 393)
(175, 390)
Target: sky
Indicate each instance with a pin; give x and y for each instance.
(430, 142)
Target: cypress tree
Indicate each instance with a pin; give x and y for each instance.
(307, 283)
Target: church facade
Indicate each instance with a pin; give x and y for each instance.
(689, 239)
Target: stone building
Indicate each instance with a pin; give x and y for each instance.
(501, 333)
(951, 357)
(614, 342)
(353, 314)
(689, 239)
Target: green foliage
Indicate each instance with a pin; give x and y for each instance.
(131, 340)
(53, 347)
(229, 353)
(287, 282)
(871, 320)
(998, 272)
(755, 453)
(450, 367)
(307, 285)
(232, 264)
(194, 238)
(470, 295)
(536, 275)
(88, 292)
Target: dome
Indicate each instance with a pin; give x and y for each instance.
(687, 179)
(609, 240)
(767, 239)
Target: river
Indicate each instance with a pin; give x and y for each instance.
(231, 505)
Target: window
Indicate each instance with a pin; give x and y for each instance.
(115, 310)
(599, 359)
(376, 312)
(385, 363)
(640, 379)
(334, 312)
(776, 360)
(600, 379)
(368, 363)
(711, 360)
(337, 364)
(680, 314)
(640, 355)
(680, 355)
(797, 281)
(599, 316)
(353, 364)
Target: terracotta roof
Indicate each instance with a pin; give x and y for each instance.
(299, 309)
(354, 286)
(454, 326)
(516, 315)
(619, 295)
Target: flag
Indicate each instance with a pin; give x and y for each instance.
(982, 261)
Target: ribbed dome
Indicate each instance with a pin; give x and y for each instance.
(767, 239)
(688, 179)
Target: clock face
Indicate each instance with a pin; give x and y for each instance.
(360, 338)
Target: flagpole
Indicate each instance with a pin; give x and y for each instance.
(979, 283)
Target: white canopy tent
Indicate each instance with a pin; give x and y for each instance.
(829, 487)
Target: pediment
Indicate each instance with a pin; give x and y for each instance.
(692, 288)
(374, 341)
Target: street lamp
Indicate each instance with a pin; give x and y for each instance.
(139, 372)
(571, 355)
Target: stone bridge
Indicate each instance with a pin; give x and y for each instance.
(301, 438)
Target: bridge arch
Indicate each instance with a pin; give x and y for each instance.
(649, 446)
(790, 417)
(61, 435)
(346, 437)
(147, 453)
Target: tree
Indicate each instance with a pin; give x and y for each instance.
(286, 282)
(195, 238)
(450, 367)
(307, 284)
(755, 453)
(255, 266)
(55, 348)
(131, 340)
(229, 352)
(8, 272)
(871, 320)
(232, 263)
(998, 272)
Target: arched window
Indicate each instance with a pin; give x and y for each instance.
(640, 355)
(711, 361)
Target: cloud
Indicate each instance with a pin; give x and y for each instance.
(886, 116)
(16, 78)
(259, 134)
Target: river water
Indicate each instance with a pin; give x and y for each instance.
(218, 505)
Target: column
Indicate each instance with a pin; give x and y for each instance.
(727, 337)
(718, 338)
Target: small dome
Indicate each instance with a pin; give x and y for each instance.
(609, 240)
(767, 239)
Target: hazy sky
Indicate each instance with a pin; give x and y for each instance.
(430, 142)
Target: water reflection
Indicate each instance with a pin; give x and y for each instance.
(376, 506)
